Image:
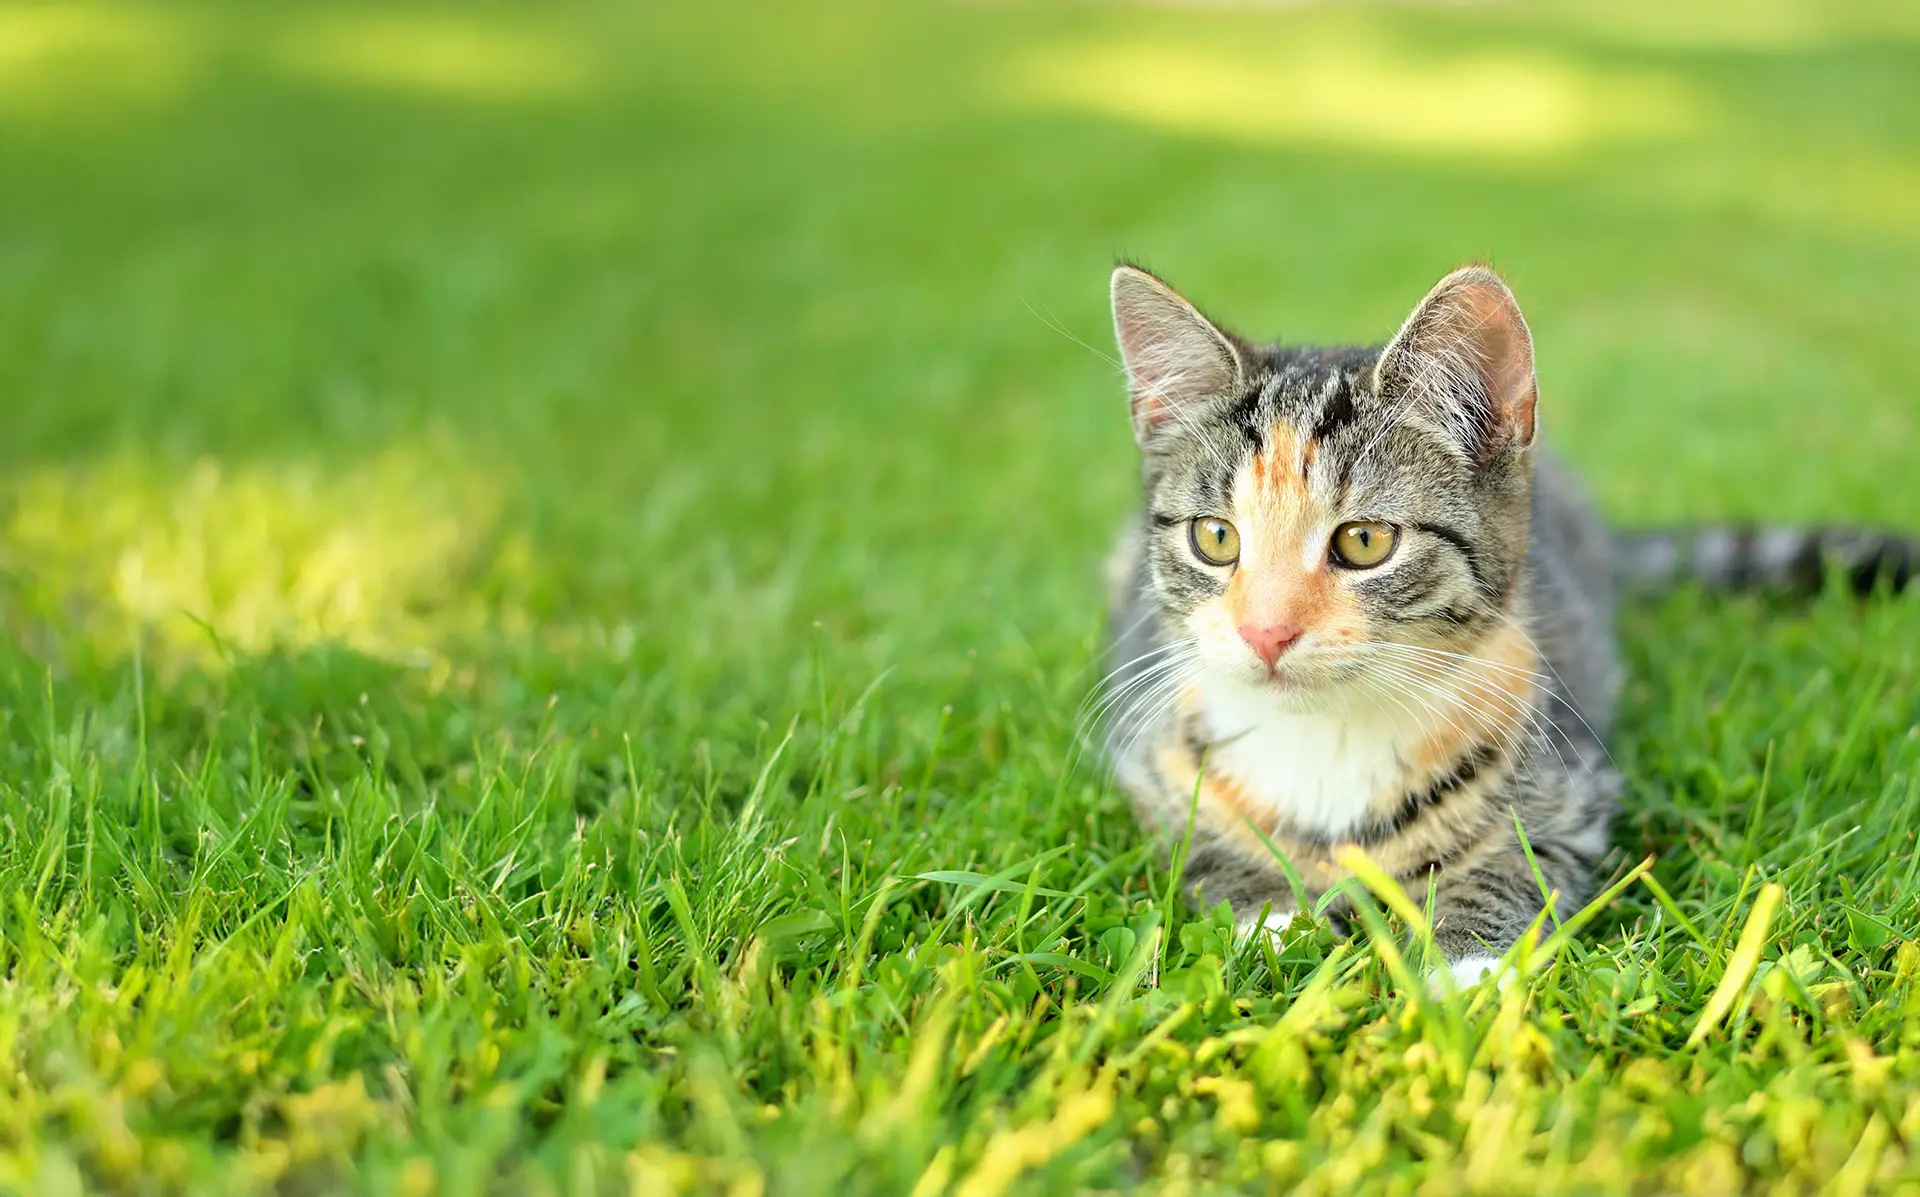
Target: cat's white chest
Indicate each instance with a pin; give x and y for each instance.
(1321, 771)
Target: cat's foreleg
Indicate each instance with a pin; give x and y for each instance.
(1480, 910)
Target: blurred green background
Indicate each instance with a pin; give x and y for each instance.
(463, 467)
(693, 325)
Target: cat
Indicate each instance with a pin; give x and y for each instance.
(1363, 604)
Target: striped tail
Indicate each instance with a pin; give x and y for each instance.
(1794, 560)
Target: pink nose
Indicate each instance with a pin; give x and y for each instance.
(1270, 641)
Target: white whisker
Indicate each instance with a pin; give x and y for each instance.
(1538, 727)
(1103, 686)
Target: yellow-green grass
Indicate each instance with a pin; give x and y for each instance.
(526, 534)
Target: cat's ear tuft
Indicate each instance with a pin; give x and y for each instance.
(1466, 357)
(1174, 356)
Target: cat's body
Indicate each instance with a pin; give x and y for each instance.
(1361, 606)
(1366, 770)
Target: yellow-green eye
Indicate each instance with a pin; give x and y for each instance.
(1363, 544)
(1215, 541)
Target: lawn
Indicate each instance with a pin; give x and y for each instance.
(549, 570)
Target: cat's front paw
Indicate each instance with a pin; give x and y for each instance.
(1460, 975)
(1273, 922)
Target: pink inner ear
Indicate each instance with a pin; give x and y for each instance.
(1491, 321)
(1152, 369)
(1173, 354)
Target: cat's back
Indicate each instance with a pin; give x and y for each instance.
(1570, 580)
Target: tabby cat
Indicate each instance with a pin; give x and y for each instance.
(1363, 605)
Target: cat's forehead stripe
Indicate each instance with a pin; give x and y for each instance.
(1282, 463)
(1272, 499)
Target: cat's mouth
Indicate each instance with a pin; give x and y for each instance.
(1295, 691)
(1307, 674)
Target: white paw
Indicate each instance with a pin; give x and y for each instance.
(1466, 972)
(1273, 923)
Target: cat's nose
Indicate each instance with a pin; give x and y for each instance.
(1271, 640)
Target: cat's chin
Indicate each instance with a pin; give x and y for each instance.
(1306, 696)
(1292, 691)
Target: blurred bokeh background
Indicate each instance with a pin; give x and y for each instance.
(670, 331)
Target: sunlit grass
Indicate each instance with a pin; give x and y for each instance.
(452, 54)
(56, 59)
(206, 559)
(1342, 88)
(59, 60)
(1767, 26)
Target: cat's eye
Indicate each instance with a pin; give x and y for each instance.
(1363, 544)
(1215, 541)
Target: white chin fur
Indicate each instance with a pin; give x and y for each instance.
(1320, 768)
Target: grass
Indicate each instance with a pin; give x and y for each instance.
(549, 565)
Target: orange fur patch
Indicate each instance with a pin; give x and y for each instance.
(1276, 516)
(1495, 698)
(1284, 452)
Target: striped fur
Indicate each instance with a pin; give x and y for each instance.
(1790, 560)
(1422, 706)
(1426, 702)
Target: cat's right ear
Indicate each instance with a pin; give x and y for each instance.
(1466, 357)
(1175, 357)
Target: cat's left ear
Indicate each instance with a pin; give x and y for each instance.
(1466, 355)
(1176, 358)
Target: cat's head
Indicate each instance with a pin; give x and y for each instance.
(1312, 513)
